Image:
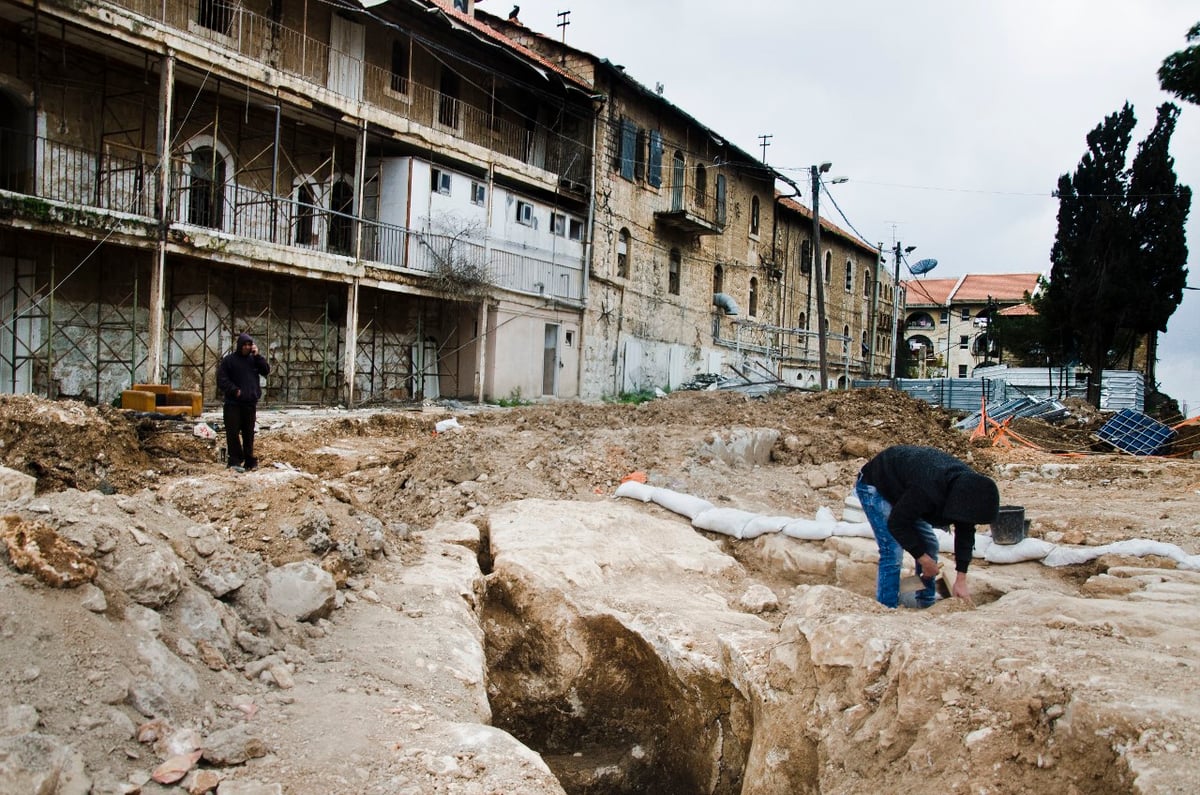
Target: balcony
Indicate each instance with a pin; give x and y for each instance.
(693, 211)
(228, 26)
(121, 185)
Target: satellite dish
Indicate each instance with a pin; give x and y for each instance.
(923, 266)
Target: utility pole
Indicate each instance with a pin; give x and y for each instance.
(899, 251)
(563, 21)
(874, 304)
(818, 272)
(765, 141)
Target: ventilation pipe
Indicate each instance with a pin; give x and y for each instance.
(725, 302)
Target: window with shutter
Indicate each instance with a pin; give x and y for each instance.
(628, 148)
(721, 199)
(654, 164)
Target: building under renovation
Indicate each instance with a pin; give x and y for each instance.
(400, 202)
(392, 201)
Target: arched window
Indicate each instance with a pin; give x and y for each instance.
(754, 215)
(802, 322)
(341, 218)
(828, 265)
(701, 186)
(849, 276)
(866, 279)
(673, 276)
(845, 339)
(753, 296)
(206, 188)
(305, 226)
(623, 254)
(718, 279)
(806, 257)
(678, 180)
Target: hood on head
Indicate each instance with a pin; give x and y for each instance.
(243, 338)
(973, 499)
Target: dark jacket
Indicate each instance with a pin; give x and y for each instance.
(237, 374)
(926, 483)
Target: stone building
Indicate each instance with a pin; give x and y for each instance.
(400, 202)
(392, 200)
(697, 267)
(946, 321)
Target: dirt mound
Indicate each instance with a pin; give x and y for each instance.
(67, 444)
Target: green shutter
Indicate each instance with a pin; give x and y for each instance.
(654, 165)
(628, 147)
(720, 198)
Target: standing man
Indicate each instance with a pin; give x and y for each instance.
(237, 378)
(904, 491)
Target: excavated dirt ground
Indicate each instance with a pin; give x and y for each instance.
(391, 464)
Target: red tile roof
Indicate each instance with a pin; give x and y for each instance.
(929, 291)
(796, 206)
(974, 288)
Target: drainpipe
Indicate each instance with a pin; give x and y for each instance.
(481, 361)
(589, 249)
(870, 374)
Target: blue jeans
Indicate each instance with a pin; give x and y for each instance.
(891, 554)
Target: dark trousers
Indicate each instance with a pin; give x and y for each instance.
(239, 433)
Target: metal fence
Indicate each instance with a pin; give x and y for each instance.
(1120, 389)
(126, 180)
(229, 25)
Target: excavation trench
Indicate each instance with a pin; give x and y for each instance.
(628, 684)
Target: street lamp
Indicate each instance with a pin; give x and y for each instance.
(819, 275)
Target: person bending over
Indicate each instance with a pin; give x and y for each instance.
(905, 491)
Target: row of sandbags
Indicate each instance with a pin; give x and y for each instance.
(740, 524)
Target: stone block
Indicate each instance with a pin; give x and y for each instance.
(16, 486)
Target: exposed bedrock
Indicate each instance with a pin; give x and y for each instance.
(621, 646)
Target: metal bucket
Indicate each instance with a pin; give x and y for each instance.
(1009, 527)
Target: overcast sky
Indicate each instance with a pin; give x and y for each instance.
(952, 120)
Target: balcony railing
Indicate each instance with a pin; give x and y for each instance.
(228, 25)
(127, 181)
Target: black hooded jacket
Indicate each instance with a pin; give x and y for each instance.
(926, 483)
(237, 374)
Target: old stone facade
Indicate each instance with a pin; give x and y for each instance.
(698, 267)
(391, 201)
(404, 202)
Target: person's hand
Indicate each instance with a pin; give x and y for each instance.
(927, 567)
(254, 350)
(961, 589)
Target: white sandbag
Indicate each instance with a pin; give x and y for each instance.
(635, 491)
(727, 521)
(680, 503)
(852, 510)
(982, 543)
(1029, 549)
(764, 524)
(1072, 556)
(825, 517)
(853, 515)
(1142, 547)
(854, 529)
(806, 529)
(945, 540)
